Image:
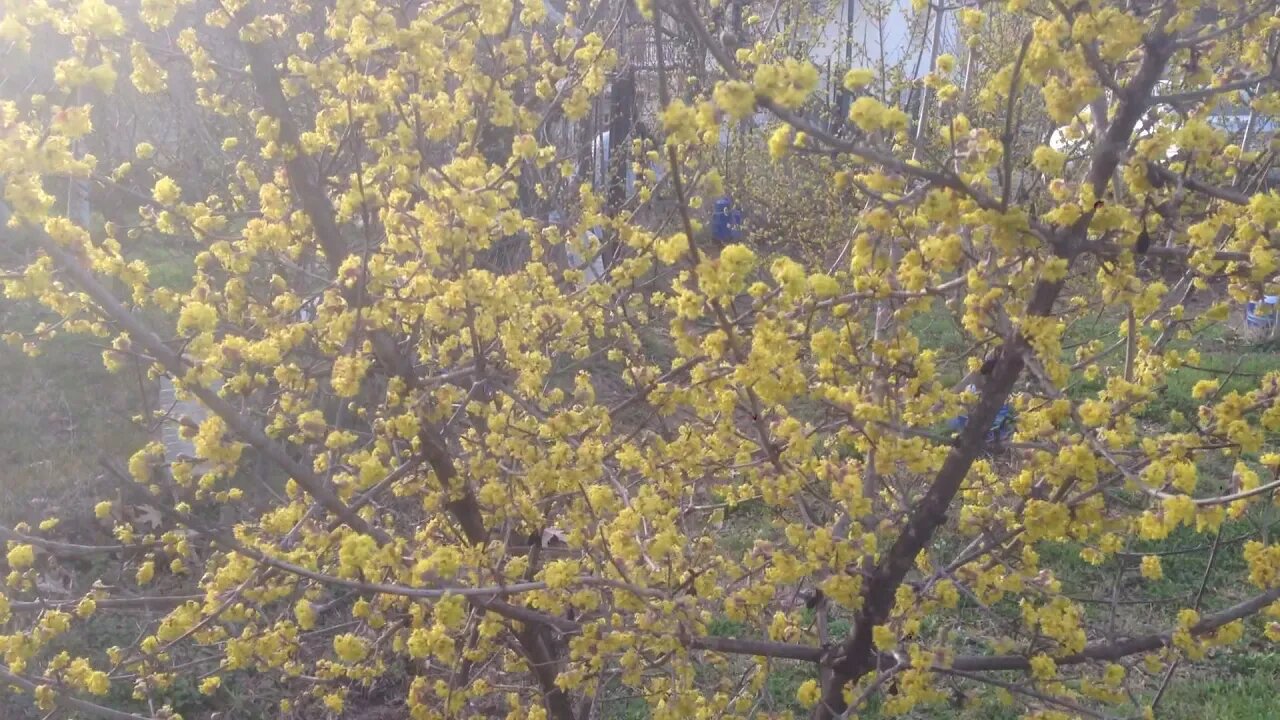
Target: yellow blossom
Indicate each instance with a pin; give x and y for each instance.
(21, 557)
(1151, 568)
(736, 98)
(1043, 667)
(858, 78)
(809, 693)
(166, 191)
(350, 648)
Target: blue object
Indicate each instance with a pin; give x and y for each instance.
(1001, 428)
(726, 220)
(1261, 314)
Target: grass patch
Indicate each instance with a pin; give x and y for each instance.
(62, 410)
(937, 330)
(785, 679)
(726, 628)
(624, 708)
(1237, 370)
(169, 265)
(1242, 688)
(745, 523)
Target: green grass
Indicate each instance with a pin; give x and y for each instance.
(1183, 571)
(745, 523)
(170, 265)
(624, 708)
(726, 628)
(1236, 683)
(1238, 369)
(937, 330)
(1237, 687)
(62, 410)
(782, 684)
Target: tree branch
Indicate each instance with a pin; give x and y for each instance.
(758, 648)
(1006, 140)
(1210, 92)
(1175, 253)
(71, 550)
(70, 702)
(930, 511)
(173, 363)
(1220, 193)
(1029, 692)
(1124, 648)
(148, 603)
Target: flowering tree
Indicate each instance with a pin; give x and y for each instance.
(497, 493)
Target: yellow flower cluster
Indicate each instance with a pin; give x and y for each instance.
(871, 115)
(350, 648)
(1264, 563)
(788, 84)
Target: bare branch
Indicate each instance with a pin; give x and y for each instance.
(1006, 140)
(758, 648)
(66, 549)
(1029, 692)
(1175, 253)
(1220, 193)
(1212, 92)
(1124, 648)
(161, 602)
(69, 701)
(1219, 499)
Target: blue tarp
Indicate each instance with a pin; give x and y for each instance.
(1001, 428)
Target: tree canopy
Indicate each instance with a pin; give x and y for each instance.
(438, 464)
